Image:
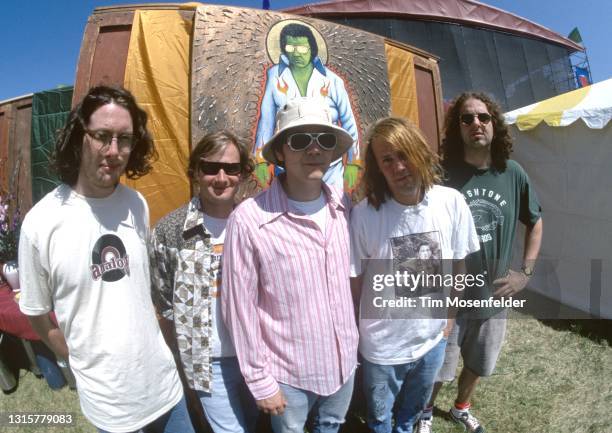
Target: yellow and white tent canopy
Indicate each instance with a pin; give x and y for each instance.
(568, 159)
(592, 104)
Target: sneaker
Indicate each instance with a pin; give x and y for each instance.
(468, 422)
(424, 426)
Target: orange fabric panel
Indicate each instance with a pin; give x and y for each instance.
(400, 70)
(157, 73)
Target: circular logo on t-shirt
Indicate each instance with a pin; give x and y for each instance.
(109, 259)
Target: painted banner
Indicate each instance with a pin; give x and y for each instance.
(248, 63)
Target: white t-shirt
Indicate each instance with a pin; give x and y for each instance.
(316, 209)
(86, 259)
(220, 341)
(443, 221)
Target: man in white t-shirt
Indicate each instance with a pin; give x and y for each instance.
(83, 255)
(186, 251)
(406, 226)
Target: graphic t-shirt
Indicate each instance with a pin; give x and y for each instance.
(86, 259)
(390, 237)
(497, 200)
(221, 342)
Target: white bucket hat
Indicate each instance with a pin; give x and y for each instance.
(300, 113)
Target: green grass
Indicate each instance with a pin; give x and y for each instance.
(33, 395)
(548, 380)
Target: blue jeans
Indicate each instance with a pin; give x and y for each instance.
(176, 420)
(328, 411)
(410, 384)
(230, 408)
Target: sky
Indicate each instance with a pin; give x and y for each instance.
(41, 39)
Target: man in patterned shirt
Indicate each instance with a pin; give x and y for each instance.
(286, 298)
(186, 251)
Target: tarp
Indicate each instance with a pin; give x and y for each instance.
(400, 70)
(567, 156)
(457, 11)
(591, 104)
(50, 110)
(157, 74)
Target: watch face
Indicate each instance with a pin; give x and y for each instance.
(527, 271)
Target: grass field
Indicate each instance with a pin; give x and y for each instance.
(548, 380)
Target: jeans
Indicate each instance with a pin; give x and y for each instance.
(230, 408)
(409, 384)
(176, 420)
(328, 411)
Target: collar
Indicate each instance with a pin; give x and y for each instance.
(274, 201)
(415, 207)
(194, 220)
(317, 63)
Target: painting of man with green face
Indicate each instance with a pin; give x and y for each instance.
(299, 52)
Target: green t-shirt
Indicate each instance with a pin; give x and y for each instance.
(497, 200)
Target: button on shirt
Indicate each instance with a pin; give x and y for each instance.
(286, 299)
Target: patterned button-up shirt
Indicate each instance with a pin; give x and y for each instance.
(182, 277)
(286, 297)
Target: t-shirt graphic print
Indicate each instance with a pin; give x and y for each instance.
(416, 260)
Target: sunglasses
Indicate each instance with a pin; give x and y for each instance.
(468, 119)
(213, 168)
(301, 49)
(301, 140)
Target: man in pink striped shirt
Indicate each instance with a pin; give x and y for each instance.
(286, 298)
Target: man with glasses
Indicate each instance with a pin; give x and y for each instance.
(476, 151)
(286, 298)
(187, 245)
(301, 73)
(83, 254)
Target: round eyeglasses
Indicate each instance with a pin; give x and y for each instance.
(104, 138)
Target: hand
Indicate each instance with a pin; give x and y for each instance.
(351, 174)
(262, 173)
(274, 405)
(511, 284)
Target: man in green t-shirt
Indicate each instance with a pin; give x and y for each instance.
(476, 150)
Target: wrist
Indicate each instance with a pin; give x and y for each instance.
(527, 270)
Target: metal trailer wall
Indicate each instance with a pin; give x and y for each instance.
(516, 70)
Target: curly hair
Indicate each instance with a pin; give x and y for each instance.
(299, 30)
(452, 144)
(409, 142)
(66, 157)
(214, 142)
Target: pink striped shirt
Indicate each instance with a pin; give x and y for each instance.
(286, 298)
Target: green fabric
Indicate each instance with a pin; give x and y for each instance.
(50, 110)
(497, 200)
(575, 35)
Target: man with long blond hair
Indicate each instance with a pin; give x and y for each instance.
(404, 209)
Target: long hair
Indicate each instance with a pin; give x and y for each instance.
(406, 139)
(452, 144)
(299, 30)
(66, 157)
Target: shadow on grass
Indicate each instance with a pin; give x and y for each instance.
(565, 318)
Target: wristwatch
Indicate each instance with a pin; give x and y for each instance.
(527, 270)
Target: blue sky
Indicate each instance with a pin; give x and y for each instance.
(41, 39)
